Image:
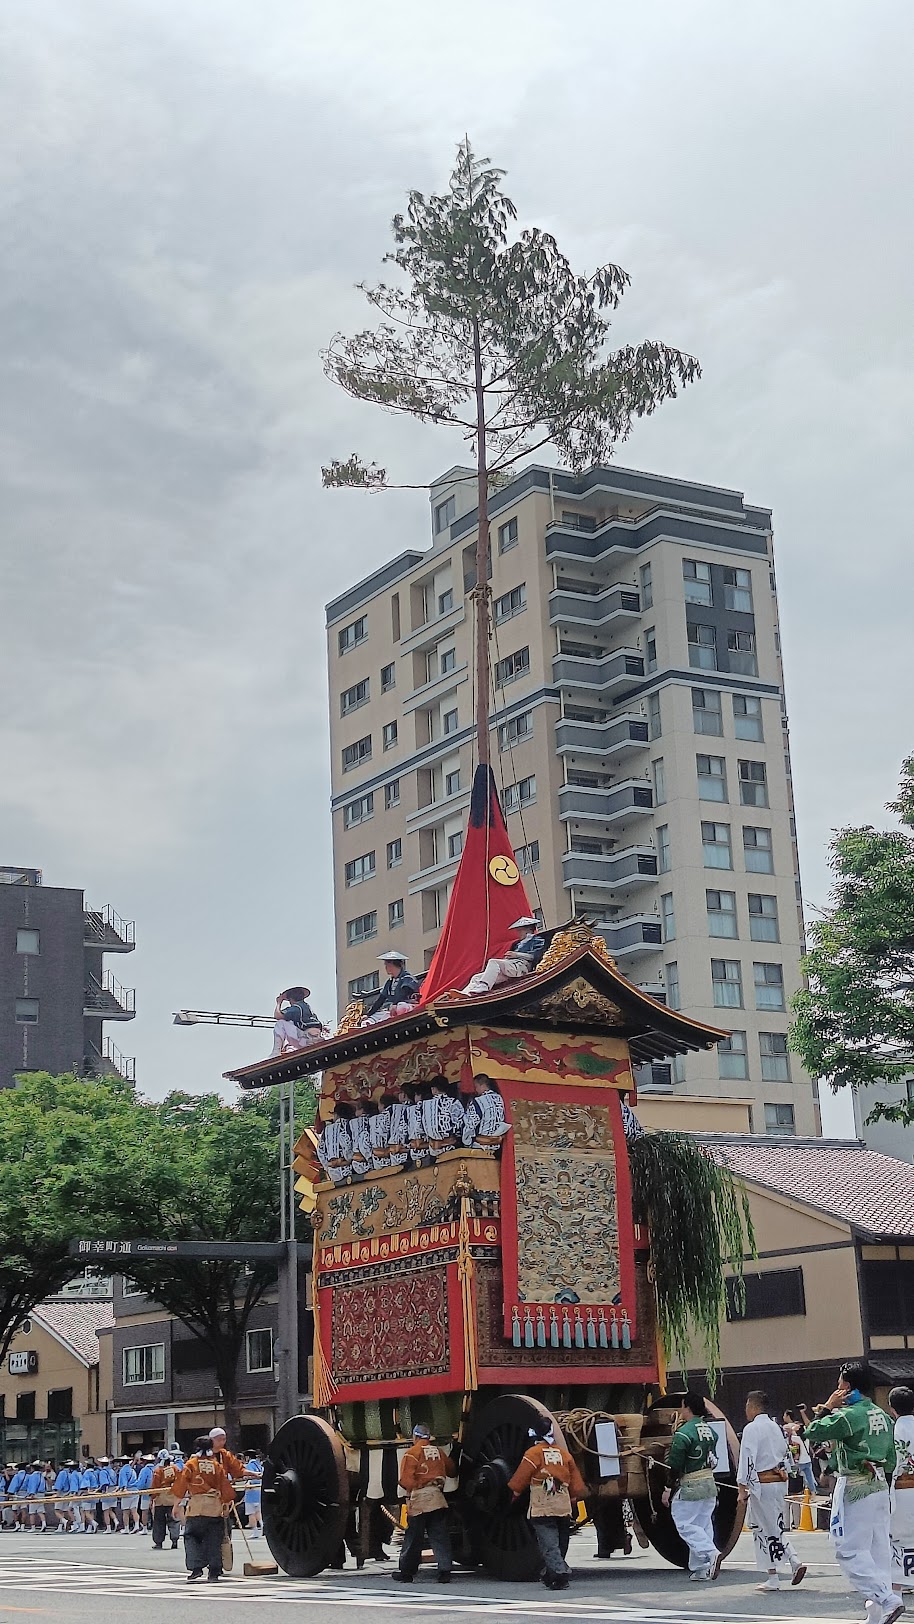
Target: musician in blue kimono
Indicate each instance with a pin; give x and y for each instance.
(379, 1133)
(398, 1132)
(484, 1125)
(418, 1139)
(442, 1115)
(334, 1147)
(362, 1154)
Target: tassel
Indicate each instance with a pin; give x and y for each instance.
(604, 1341)
(614, 1331)
(553, 1328)
(515, 1327)
(540, 1329)
(578, 1330)
(591, 1330)
(528, 1329)
(566, 1329)
(626, 1330)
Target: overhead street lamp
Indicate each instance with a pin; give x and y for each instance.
(285, 1353)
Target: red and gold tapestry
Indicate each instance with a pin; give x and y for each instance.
(567, 1235)
(556, 1058)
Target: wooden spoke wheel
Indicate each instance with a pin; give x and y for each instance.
(305, 1495)
(496, 1438)
(657, 1520)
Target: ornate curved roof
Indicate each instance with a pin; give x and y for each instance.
(577, 988)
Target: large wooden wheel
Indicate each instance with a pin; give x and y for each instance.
(496, 1438)
(305, 1495)
(657, 1521)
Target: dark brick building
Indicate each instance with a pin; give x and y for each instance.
(55, 992)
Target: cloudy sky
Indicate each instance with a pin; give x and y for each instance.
(189, 190)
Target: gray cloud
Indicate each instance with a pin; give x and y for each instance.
(188, 197)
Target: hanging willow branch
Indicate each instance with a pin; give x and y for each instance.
(699, 1221)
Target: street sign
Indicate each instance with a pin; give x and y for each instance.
(122, 1251)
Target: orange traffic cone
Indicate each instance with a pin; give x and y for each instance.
(806, 1525)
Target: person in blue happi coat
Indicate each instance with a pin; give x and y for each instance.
(14, 1490)
(63, 1491)
(253, 1476)
(32, 1488)
(106, 1478)
(127, 1480)
(88, 1485)
(144, 1481)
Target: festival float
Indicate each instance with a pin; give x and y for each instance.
(488, 1284)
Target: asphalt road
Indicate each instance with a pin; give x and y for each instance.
(101, 1579)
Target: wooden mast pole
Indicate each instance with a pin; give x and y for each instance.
(482, 560)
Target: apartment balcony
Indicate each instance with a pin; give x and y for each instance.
(433, 630)
(107, 1000)
(604, 608)
(618, 871)
(105, 929)
(429, 692)
(108, 1062)
(621, 737)
(609, 671)
(633, 936)
(635, 798)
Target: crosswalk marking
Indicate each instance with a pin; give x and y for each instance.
(18, 1573)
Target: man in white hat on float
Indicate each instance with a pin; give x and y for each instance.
(399, 992)
(521, 960)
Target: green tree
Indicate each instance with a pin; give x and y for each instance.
(854, 1023)
(490, 331)
(73, 1157)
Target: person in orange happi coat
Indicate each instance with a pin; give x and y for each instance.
(555, 1483)
(422, 1474)
(210, 1492)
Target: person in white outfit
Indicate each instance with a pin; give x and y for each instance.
(901, 1520)
(762, 1479)
(521, 960)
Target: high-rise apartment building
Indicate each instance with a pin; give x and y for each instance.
(55, 992)
(639, 736)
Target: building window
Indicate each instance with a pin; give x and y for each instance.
(668, 917)
(712, 778)
(775, 1058)
(392, 793)
(727, 983)
(352, 698)
(776, 1294)
(650, 649)
(706, 711)
(450, 722)
(361, 868)
(779, 1119)
(452, 782)
(358, 811)
(671, 977)
(888, 1293)
(510, 603)
(445, 514)
(446, 601)
(753, 783)
(394, 853)
(702, 642)
(696, 581)
(365, 984)
(741, 653)
(654, 721)
(763, 918)
(733, 1058)
(721, 907)
(26, 1011)
(757, 851)
(356, 632)
(362, 928)
(144, 1364)
(448, 661)
(60, 1404)
(512, 667)
(519, 728)
(715, 845)
(389, 735)
(507, 536)
(738, 590)
(396, 913)
(769, 986)
(388, 678)
(355, 754)
(647, 587)
(25, 1406)
(663, 849)
(523, 793)
(27, 941)
(747, 717)
(528, 857)
(659, 781)
(259, 1349)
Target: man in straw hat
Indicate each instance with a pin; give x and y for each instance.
(520, 960)
(399, 992)
(295, 1024)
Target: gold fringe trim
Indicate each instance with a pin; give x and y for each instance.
(465, 1274)
(325, 1388)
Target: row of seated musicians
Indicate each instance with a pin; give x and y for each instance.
(414, 1124)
